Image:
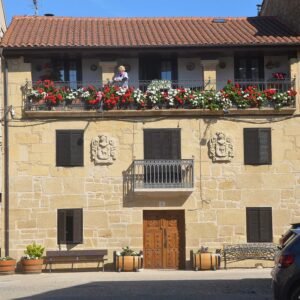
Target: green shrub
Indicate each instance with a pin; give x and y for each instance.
(34, 251)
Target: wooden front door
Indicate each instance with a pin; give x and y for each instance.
(164, 239)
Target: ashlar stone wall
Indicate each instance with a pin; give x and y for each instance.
(215, 212)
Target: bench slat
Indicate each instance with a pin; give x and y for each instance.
(76, 253)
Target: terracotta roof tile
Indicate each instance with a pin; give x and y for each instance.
(47, 32)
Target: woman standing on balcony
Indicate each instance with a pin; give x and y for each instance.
(122, 77)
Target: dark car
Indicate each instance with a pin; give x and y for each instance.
(286, 273)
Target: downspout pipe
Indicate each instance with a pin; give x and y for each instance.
(6, 161)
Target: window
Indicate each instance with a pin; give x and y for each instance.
(257, 146)
(249, 68)
(166, 70)
(162, 144)
(153, 67)
(259, 224)
(69, 148)
(69, 226)
(69, 70)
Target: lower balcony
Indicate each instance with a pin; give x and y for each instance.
(163, 175)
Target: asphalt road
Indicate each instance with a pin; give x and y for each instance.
(254, 284)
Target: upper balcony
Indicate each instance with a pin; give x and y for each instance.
(187, 97)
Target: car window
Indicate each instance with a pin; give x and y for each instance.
(285, 238)
(290, 240)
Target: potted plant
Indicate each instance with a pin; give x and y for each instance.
(7, 265)
(205, 260)
(32, 262)
(128, 260)
(90, 96)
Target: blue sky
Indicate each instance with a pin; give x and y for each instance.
(133, 8)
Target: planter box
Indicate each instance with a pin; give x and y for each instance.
(7, 267)
(206, 261)
(32, 266)
(128, 263)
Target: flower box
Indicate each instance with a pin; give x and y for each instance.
(128, 263)
(128, 260)
(32, 266)
(7, 266)
(32, 262)
(206, 261)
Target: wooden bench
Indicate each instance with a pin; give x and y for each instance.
(75, 256)
(259, 251)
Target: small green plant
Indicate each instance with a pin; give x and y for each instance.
(34, 251)
(126, 251)
(6, 258)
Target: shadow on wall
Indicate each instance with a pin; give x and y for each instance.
(275, 28)
(250, 289)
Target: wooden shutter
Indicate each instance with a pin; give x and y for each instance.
(251, 146)
(265, 225)
(259, 225)
(77, 226)
(76, 146)
(61, 226)
(175, 144)
(63, 155)
(162, 144)
(265, 148)
(252, 217)
(261, 68)
(69, 148)
(257, 146)
(152, 144)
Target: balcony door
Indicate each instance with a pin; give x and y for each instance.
(164, 239)
(162, 144)
(249, 68)
(163, 147)
(69, 71)
(154, 67)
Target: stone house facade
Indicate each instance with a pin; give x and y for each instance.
(165, 181)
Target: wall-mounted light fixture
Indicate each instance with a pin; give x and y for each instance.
(222, 65)
(190, 66)
(94, 67)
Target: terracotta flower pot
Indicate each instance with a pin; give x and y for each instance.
(7, 267)
(32, 266)
(128, 263)
(205, 261)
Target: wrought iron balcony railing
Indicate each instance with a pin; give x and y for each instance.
(163, 174)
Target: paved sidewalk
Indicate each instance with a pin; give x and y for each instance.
(238, 284)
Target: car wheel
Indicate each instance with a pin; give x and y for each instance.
(295, 294)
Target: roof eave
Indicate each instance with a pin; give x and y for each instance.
(7, 48)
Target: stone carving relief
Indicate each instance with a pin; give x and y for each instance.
(103, 150)
(220, 148)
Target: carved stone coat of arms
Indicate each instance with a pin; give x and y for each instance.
(220, 148)
(103, 150)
